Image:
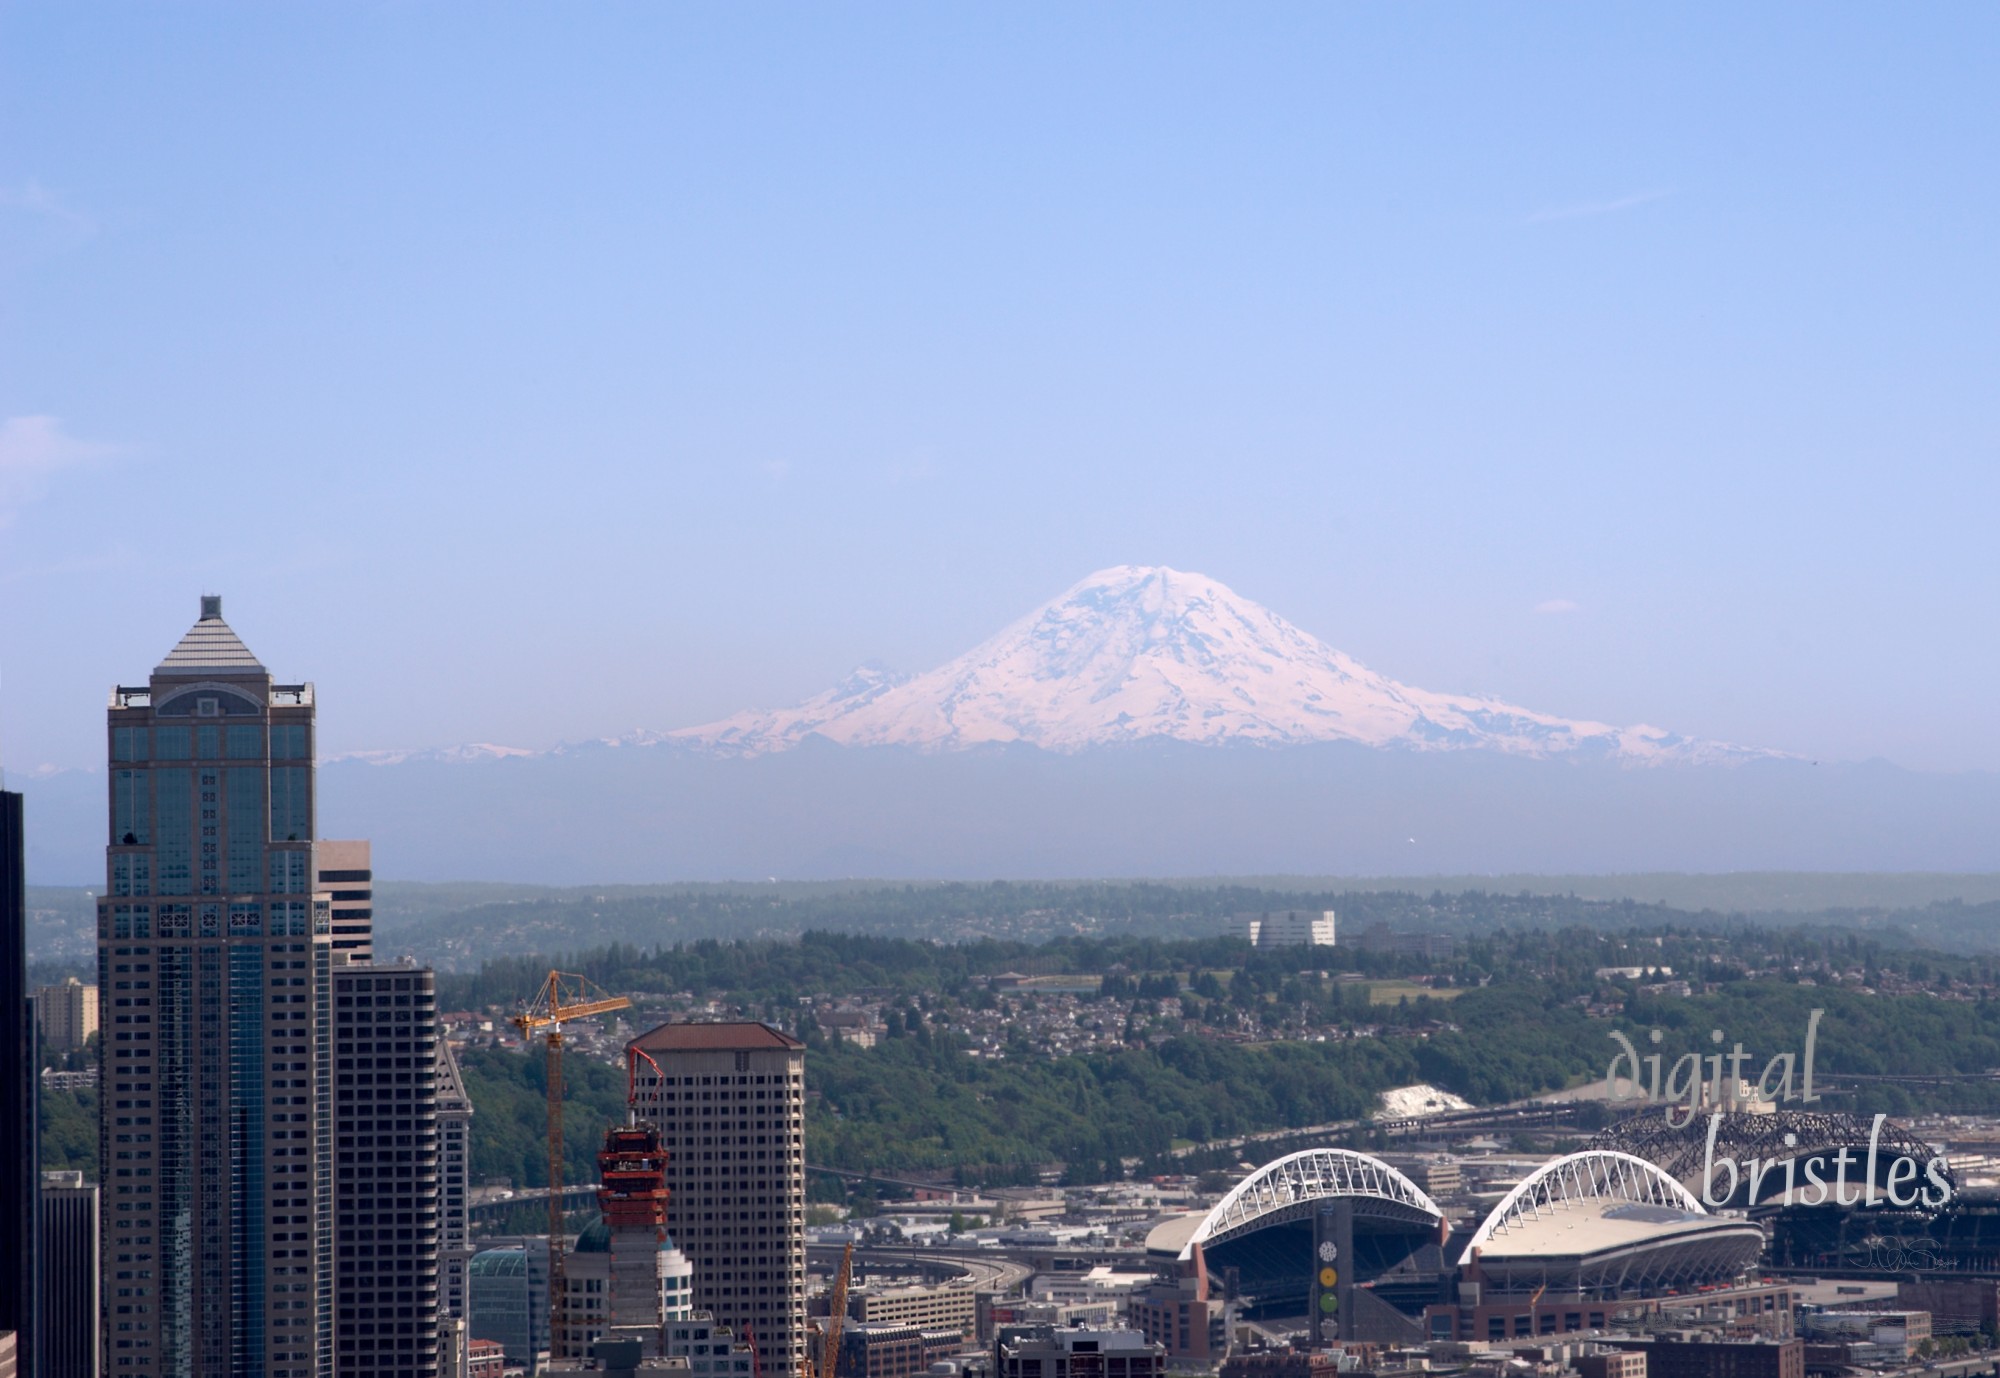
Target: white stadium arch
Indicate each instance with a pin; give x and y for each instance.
(1595, 1174)
(1291, 1187)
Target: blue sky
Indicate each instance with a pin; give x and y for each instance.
(522, 373)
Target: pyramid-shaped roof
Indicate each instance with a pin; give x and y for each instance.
(451, 1092)
(210, 647)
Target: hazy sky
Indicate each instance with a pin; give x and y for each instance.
(523, 373)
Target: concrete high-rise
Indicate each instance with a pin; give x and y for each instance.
(345, 873)
(20, 1091)
(67, 1333)
(385, 1188)
(454, 1113)
(214, 981)
(729, 1100)
(67, 1014)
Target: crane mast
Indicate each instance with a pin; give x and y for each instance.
(836, 1317)
(563, 996)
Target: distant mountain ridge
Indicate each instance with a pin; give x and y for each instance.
(1145, 723)
(1141, 653)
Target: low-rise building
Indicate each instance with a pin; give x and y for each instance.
(1873, 1336)
(485, 1359)
(1719, 1358)
(1060, 1352)
(894, 1351)
(1180, 1316)
(1612, 1363)
(711, 1350)
(1288, 928)
(1437, 1173)
(997, 1313)
(952, 1306)
(1956, 1307)
(1748, 1310)
(1429, 947)
(1282, 1363)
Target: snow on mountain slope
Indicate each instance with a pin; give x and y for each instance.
(1144, 652)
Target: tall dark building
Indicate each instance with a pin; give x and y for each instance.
(386, 1190)
(20, 1088)
(66, 1340)
(214, 963)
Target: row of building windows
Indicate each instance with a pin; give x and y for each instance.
(235, 742)
(279, 919)
(135, 793)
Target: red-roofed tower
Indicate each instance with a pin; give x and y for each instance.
(729, 1101)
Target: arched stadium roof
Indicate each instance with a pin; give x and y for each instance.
(1603, 1218)
(1593, 1174)
(1291, 1188)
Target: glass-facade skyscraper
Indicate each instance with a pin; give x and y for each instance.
(213, 971)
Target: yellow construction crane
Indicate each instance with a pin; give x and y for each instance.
(836, 1316)
(564, 996)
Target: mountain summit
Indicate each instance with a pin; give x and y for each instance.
(1142, 652)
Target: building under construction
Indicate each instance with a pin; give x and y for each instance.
(626, 1279)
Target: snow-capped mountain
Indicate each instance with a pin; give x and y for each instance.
(1139, 653)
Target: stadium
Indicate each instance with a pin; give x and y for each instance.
(1581, 1237)
(1259, 1238)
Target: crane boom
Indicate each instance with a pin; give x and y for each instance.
(563, 996)
(562, 1014)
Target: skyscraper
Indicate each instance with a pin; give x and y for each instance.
(345, 872)
(730, 1103)
(454, 1111)
(385, 1058)
(20, 1090)
(213, 977)
(67, 1334)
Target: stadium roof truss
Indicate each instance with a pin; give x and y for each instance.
(1683, 1149)
(1290, 1188)
(1594, 1174)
